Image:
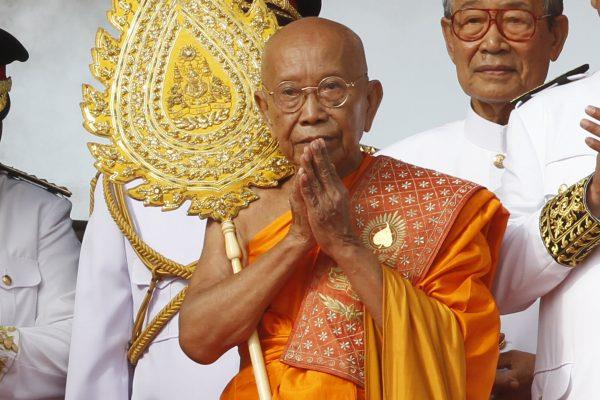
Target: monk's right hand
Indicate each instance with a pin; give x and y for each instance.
(300, 231)
(592, 125)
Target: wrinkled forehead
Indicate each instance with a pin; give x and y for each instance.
(532, 5)
(311, 56)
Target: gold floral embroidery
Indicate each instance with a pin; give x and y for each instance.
(568, 229)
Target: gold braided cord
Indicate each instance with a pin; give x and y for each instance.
(93, 184)
(139, 345)
(568, 229)
(160, 266)
(151, 258)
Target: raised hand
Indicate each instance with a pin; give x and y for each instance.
(593, 126)
(326, 199)
(300, 230)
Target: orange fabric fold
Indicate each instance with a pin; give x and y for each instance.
(288, 383)
(452, 306)
(445, 330)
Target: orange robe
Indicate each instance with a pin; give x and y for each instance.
(439, 340)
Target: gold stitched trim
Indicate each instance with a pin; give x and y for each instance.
(569, 231)
(8, 347)
(160, 267)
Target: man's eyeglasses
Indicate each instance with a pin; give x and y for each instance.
(332, 92)
(472, 24)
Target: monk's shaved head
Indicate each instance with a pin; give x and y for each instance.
(296, 99)
(319, 34)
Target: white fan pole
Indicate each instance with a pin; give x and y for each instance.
(234, 254)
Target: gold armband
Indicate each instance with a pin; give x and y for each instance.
(569, 230)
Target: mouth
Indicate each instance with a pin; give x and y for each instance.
(327, 139)
(495, 70)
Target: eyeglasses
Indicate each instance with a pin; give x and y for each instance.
(332, 92)
(472, 24)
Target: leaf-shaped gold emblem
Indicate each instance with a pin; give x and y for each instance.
(178, 108)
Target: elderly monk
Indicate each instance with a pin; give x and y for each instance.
(367, 277)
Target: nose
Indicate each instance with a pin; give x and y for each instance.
(494, 42)
(312, 111)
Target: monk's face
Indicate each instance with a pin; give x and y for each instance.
(494, 69)
(304, 53)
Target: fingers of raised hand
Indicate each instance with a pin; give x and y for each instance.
(323, 164)
(307, 189)
(594, 144)
(592, 127)
(307, 164)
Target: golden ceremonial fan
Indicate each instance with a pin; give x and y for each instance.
(178, 113)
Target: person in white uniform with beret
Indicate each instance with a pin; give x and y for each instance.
(38, 271)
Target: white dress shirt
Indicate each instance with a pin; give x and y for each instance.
(111, 285)
(547, 153)
(470, 149)
(38, 270)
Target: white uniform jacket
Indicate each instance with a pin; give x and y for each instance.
(468, 149)
(111, 285)
(38, 270)
(546, 154)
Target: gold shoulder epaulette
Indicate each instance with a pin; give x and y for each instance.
(44, 184)
(571, 76)
(569, 230)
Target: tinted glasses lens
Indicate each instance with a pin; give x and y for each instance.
(333, 91)
(470, 24)
(517, 24)
(288, 97)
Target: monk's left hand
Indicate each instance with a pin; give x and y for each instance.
(327, 200)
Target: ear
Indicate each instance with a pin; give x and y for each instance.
(260, 97)
(374, 97)
(448, 36)
(560, 31)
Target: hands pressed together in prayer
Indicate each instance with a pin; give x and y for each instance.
(592, 125)
(320, 203)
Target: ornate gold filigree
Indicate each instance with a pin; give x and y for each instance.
(349, 312)
(568, 229)
(178, 107)
(8, 347)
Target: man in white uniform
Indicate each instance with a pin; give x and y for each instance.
(554, 229)
(112, 287)
(38, 270)
(499, 54)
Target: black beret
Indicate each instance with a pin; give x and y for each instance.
(309, 8)
(11, 49)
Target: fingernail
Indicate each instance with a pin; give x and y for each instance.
(300, 171)
(584, 123)
(590, 109)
